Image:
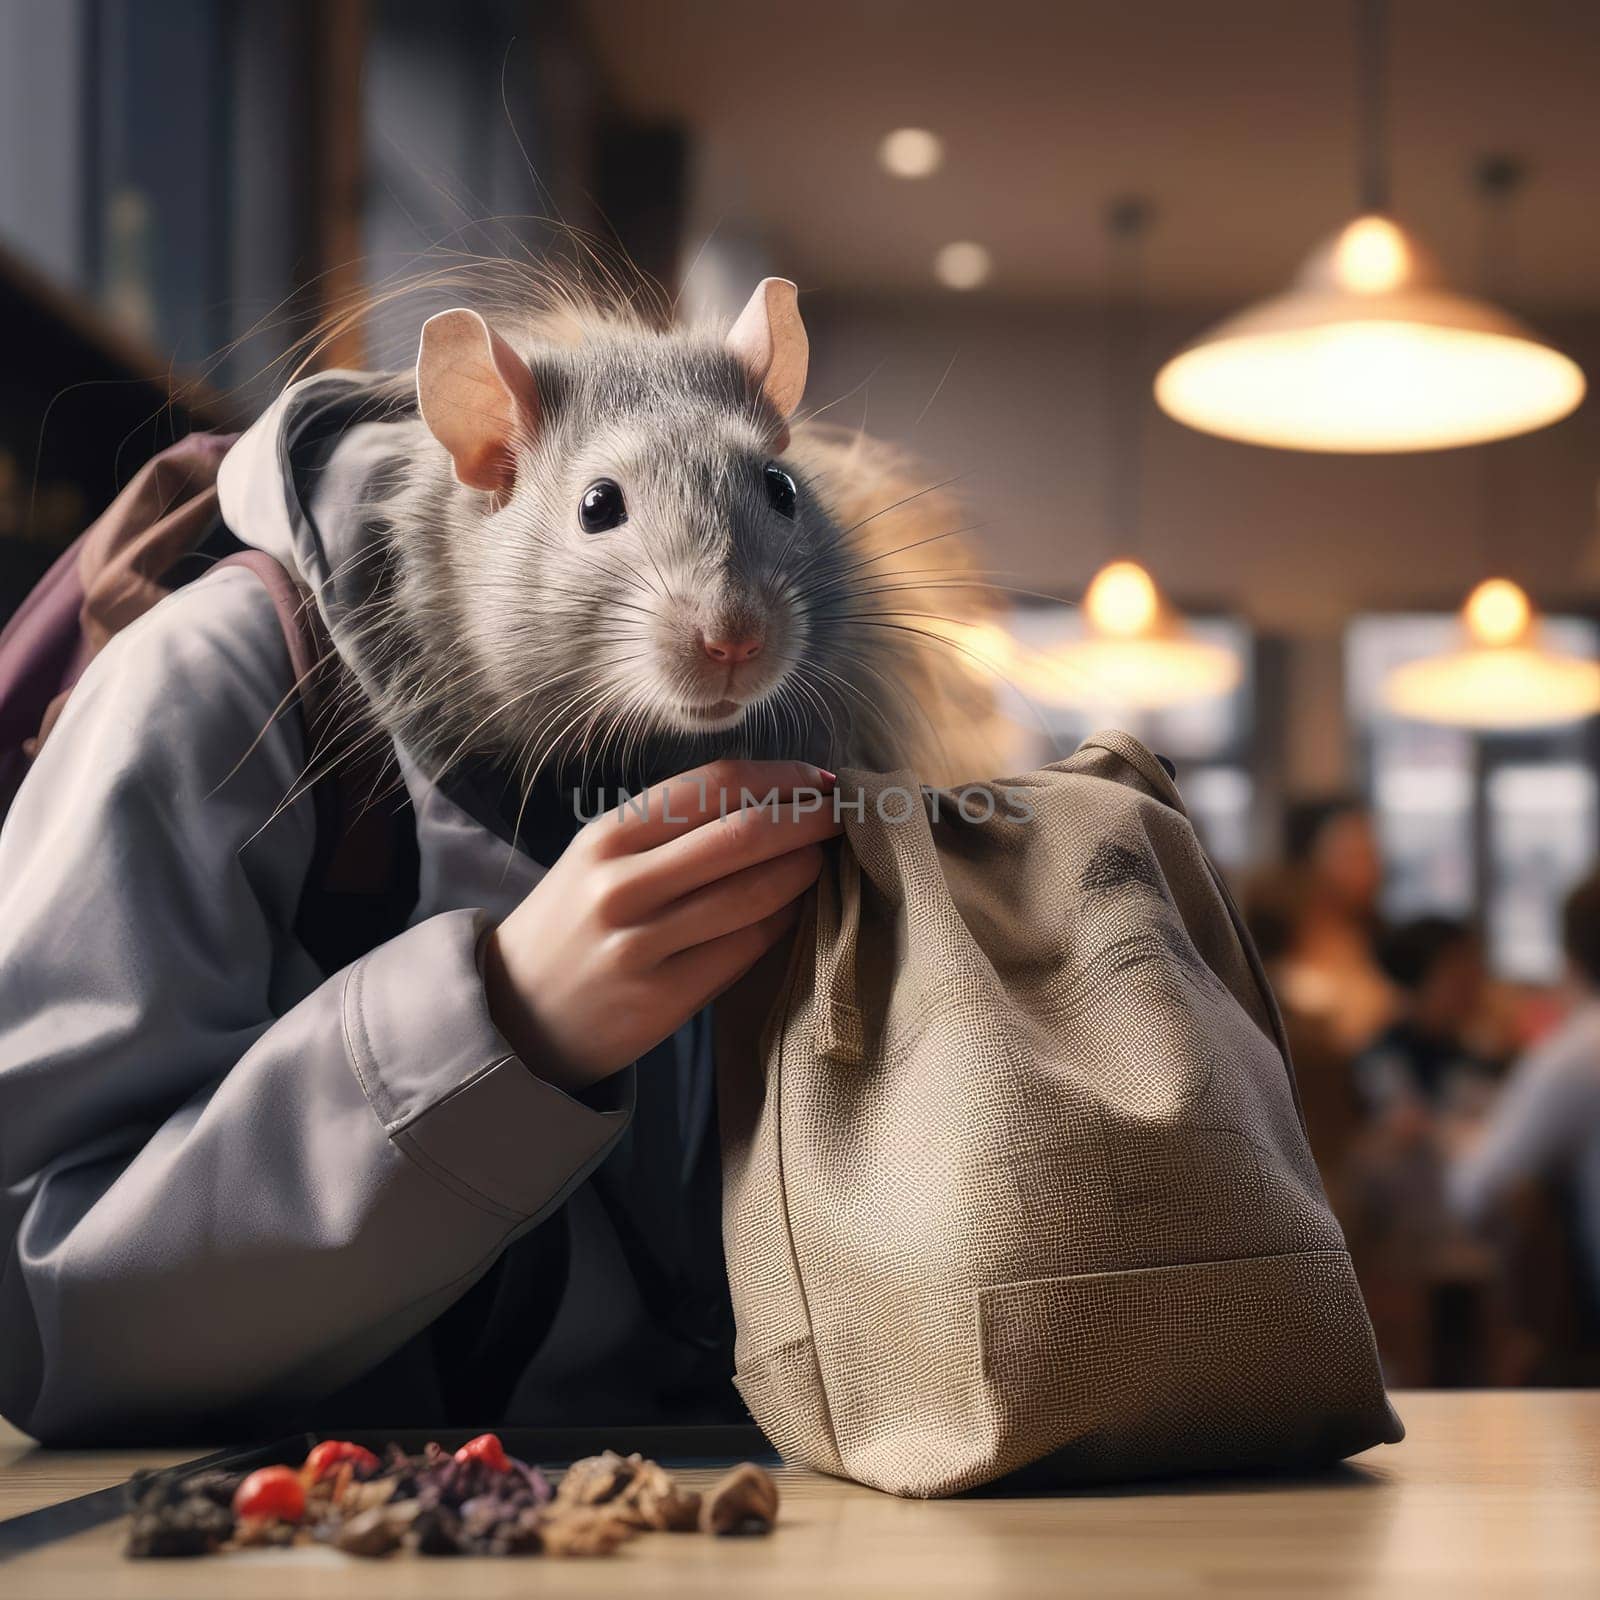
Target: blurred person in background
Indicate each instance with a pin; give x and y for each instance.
(1327, 971)
(1544, 1131)
(1276, 906)
(1425, 1062)
(1429, 1283)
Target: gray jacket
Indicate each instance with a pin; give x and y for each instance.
(232, 1183)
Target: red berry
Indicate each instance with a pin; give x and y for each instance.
(271, 1492)
(332, 1453)
(487, 1449)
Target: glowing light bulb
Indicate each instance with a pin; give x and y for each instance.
(911, 153)
(1497, 612)
(962, 265)
(1121, 600)
(1371, 256)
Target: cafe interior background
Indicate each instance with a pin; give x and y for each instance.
(1020, 233)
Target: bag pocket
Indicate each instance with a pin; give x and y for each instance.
(1263, 1362)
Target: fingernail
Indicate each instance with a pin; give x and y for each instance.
(827, 777)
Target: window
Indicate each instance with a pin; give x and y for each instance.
(1494, 826)
(1207, 740)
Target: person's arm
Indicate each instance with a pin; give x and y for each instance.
(1384, 1080)
(1550, 1102)
(228, 1184)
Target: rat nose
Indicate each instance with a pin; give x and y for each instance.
(732, 650)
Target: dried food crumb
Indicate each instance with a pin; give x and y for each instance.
(583, 1531)
(435, 1531)
(253, 1532)
(214, 1485)
(597, 1479)
(376, 1531)
(743, 1501)
(191, 1526)
(481, 1502)
(653, 1499)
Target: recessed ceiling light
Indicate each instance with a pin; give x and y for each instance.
(962, 265)
(911, 153)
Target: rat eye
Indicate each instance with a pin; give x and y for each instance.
(602, 507)
(781, 491)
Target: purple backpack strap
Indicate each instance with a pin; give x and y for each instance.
(362, 879)
(311, 656)
(110, 575)
(38, 654)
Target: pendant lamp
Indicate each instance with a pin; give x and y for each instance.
(1370, 350)
(1136, 653)
(1504, 676)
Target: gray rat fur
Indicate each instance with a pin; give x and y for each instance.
(507, 633)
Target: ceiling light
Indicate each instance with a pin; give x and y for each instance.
(1504, 679)
(1135, 656)
(1497, 613)
(962, 265)
(1369, 351)
(911, 153)
(1121, 600)
(1136, 653)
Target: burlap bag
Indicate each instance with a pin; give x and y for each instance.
(1020, 1178)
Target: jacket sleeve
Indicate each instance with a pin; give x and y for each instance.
(1550, 1103)
(229, 1183)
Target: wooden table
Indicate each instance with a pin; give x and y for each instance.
(1494, 1493)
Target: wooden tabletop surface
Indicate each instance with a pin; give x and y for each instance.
(1490, 1494)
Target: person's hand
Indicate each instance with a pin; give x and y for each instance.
(646, 918)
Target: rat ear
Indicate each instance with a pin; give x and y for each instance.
(769, 340)
(477, 397)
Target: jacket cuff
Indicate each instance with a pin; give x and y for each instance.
(449, 1090)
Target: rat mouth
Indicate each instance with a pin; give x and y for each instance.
(716, 714)
(711, 717)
